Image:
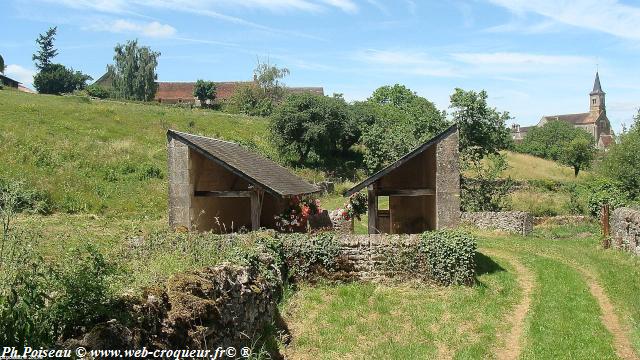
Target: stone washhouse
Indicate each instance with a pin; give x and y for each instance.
(220, 186)
(423, 188)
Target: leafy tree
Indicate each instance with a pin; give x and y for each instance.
(134, 71)
(47, 50)
(2, 66)
(394, 121)
(248, 99)
(98, 91)
(268, 78)
(58, 79)
(306, 123)
(622, 162)
(578, 153)
(482, 188)
(550, 140)
(482, 128)
(204, 90)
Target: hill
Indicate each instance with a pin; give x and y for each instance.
(529, 167)
(104, 156)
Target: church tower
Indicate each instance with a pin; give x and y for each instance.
(596, 98)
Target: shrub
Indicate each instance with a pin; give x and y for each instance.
(483, 189)
(601, 191)
(308, 256)
(26, 199)
(150, 172)
(57, 79)
(98, 91)
(450, 256)
(82, 292)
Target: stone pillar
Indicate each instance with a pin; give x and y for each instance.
(180, 189)
(447, 183)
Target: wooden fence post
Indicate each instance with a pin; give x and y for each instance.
(606, 231)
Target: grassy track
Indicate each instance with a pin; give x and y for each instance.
(564, 320)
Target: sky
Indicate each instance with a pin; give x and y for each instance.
(533, 57)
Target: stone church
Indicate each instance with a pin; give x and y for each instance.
(595, 122)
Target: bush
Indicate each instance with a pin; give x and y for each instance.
(57, 79)
(24, 198)
(307, 257)
(622, 162)
(98, 91)
(482, 189)
(450, 256)
(601, 191)
(82, 294)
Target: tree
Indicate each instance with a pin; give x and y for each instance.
(578, 153)
(58, 79)
(550, 140)
(204, 90)
(47, 50)
(307, 123)
(134, 71)
(2, 66)
(622, 162)
(482, 188)
(482, 128)
(268, 78)
(395, 121)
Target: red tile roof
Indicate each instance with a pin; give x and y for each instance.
(582, 118)
(606, 140)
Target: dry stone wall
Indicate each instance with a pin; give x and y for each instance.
(379, 257)
(517, 222)
(625, 229)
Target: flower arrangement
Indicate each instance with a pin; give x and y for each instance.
(295, 215)
(355, 207)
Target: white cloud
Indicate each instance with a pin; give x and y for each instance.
(608, 16)
(152, 29)
(20, 73)
(344, 5)
(406, 62)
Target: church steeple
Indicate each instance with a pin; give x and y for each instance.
(596, 97)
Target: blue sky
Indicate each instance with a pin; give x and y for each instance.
(534, 57)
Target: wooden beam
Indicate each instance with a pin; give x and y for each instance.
(234, 193)
(256, 209)
(372, 211)
(405, 192)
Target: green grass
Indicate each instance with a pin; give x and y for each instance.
(92, 156)
(367, 320)
(528, 167)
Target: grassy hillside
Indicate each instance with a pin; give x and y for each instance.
(103, 156)
(108, 157)
(528, 167)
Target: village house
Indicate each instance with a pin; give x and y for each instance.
(182, 92)
(219, 186)
(595, 122)
(423, 188)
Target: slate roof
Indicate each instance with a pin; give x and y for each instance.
(9, 81)
(252, 167)
(417, 151)
(575, 119)
(597, 88)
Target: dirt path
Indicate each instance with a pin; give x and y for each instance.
(513, 341)
(621, 342)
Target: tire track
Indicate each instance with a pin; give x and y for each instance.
(513, 341)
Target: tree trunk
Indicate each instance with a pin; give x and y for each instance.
(576, 170)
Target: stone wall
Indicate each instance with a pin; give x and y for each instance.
(625, 229)
(448, 182)
(518, 222)
(377, 257)
(225, 305)
(180, 188)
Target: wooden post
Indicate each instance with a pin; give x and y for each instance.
(606, 231)
(255, 209)
(372, 211)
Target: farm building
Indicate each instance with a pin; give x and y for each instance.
(7, 81)
(423, 188)
(220, 186)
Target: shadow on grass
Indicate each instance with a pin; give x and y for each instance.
(486, 265)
